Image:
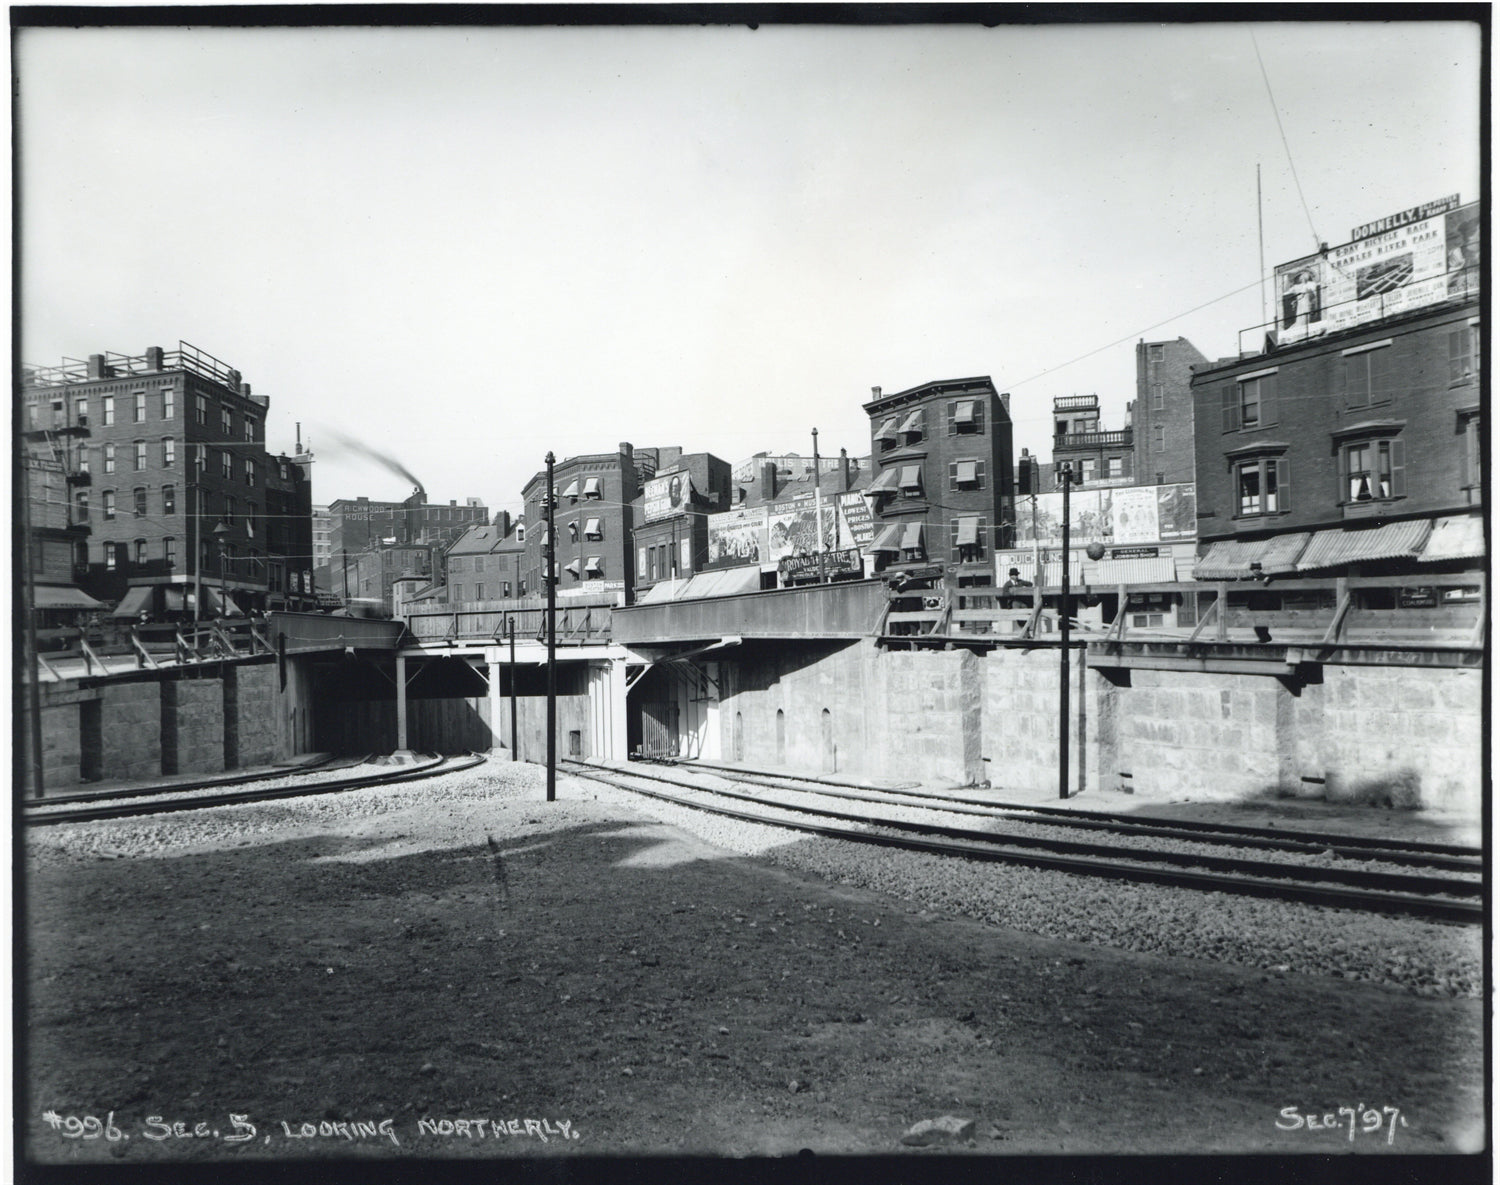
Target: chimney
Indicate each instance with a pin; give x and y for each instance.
(1005, 401)
(154, 357)
(97, 369)
(768, 480)
(234, 379)
(844, 469)
(874, 392)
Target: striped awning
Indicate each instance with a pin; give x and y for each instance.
(963, 413)
(911, 537)
(1457, 537)
(887, 429)
(134, 601)
(571, 566)
(889, 539)
(591, 488)
(1142, 570)
(1230, 559)
(572, 490)
(591, 529)
(885, 482)
(967, 473)
(968, 531)
(911, 477)
(913, 422)
(592, 565)
(1343, 545)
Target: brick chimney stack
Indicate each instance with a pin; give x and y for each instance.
(768, 480)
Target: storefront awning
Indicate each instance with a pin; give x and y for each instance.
(968, 531)
(131, 604)
(911, 537)
(913, 422)
(885, 483)
(726, 582)
(1230, 559)
(889, 539)
(964, 412)
(1142, 570)
(65, 596)
(1342, 545)
(591, 529)
(968, 472)
(887, 430)
(1457, 537)
(911, 477)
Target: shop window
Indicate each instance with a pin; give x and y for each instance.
(1373, 470)
(1367, 377)
(1262, 486)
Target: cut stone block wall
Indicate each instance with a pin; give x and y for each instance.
(131, 731)
(251, 714)
(192, 726)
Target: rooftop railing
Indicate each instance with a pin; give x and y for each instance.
(185, 357)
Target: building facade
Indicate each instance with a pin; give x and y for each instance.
(670, 517)
(1162, 416)
(358, 525)
(592, 495)
(484, 564)
(171, 480)
(1098, 457)
(943, 491)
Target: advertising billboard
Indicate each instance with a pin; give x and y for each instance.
(1119, 516)
(737, 537)
(856, 523)
(667, 494)
(1413, 262)
(793, 531)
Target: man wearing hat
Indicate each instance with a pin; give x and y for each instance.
(1013, 581)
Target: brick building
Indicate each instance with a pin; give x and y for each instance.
(592, 514)
(1354, 452)
(358, 525)
(1099, 457)
(171, 480)
(1162, 416)
(670, 517)
(944, 488)
(484, 563)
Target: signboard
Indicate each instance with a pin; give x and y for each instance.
(857, 525)
(1415, 214)
(1420, 597)
(1133, 514)
(738, 537)
(1134, 553)
(792, 529)
(1412, 262)
(798, 569)
(667, 494)
(1177, 511)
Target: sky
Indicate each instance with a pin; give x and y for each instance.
(465, 247)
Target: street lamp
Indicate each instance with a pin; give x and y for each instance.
(221, 534)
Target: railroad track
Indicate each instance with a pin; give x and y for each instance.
(1368, 890)
(124, 804)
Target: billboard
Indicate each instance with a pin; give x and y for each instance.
(856, 523)
(792, 529)
(738, 537)
(1414, 262)
(1120, 516)
(668, 494)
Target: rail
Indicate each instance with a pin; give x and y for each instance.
(576, 624)
(1098, 439)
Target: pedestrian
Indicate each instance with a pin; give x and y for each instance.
(1013, 582)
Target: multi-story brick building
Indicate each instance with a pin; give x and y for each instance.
(1355, 452)
(171, 479)
(593, 493)
(357, 525)
(944, 487)
(484, 563)
(1099, 457)
(670, 517)
(1162, 416)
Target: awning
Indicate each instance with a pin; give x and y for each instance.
(1141, 570)
(591, 487)
(964, 412)
(1457, 537)
(65, 596)
(968, 531)
(571, 566)
(134, 601)
(911, 537)
(884, 483)
(968, 472)
(542, 537)
(1230, 559)
(1341, 545)
(592, 565)
(591, 529)
(214, 606)
(662, 590)
(726, 582)
(572, 490)
(176, 599)
(913, 422)
(889, 539)
(887, 430)
(911, 477)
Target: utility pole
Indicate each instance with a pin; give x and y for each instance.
(549, 576)
(818, 507)
(510, 629)
(1065, 473)
(28, 608)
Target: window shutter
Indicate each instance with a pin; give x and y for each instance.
(1268, 399)
(1382, 384)
(1229, 396)
(1356, 390)
(1458, 355)
(952, 475)
(1398, 468)
(1283, 484)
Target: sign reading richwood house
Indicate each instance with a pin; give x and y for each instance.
(799, 569)
(1396, 264)
(667, 494)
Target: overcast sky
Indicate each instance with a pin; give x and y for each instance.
(465, 247)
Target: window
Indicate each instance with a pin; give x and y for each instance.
(965, 416)
(1468, 424)
(1373, 470)
(1463, 354)
(226, 423)
(1156, 353)
(140, 501)
(966, 538)
(479, 591)
(573, 532)
(505, 588)
(458, 592)
(140, 454)
(1090, 469)
(140, 551)
(1158, 438)
(109, 410)
(249, 429)
(250, 512)
(109, 458)
(229, 511)
(168, 403)
(1263, 486)
(168, 452)
(200, 409)
(226, 465)
(111, 560)
(911, 481)
(591, 488)
(249, 472)
(138, 412)
(966, 475)
(169, 499)
(1249, 402)
(1115, 466)
(169, 551)
(83, 459)
(520, 532)
(107, 503)
(1367, 375)
(913, 427)
(81, 411)
(1158, 397)
(593, 530)
(81, 506)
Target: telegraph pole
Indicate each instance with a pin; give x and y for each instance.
(818, 507)
(1065, 473)
(549, 576)
(510, 629)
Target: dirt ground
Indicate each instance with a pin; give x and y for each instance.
(357, 992)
